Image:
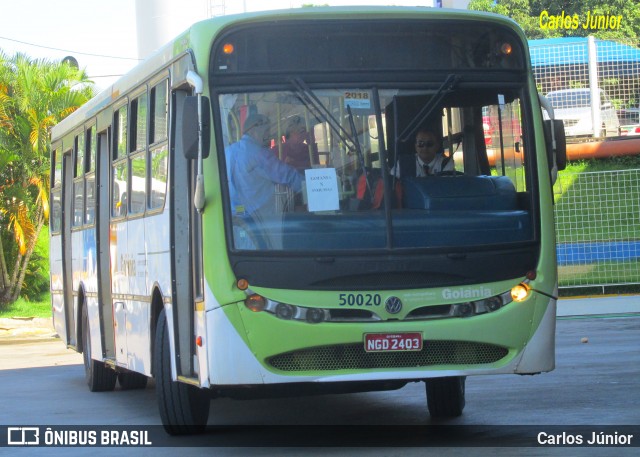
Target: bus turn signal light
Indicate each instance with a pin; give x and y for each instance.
(255, 303)
(520, 292)
(228, 48)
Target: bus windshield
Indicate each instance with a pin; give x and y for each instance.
(361, 168)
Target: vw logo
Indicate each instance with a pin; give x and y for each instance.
(393, 305)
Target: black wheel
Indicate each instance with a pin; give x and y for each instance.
(184, 409)
(100, 378)
(445, 396)
(130, 380)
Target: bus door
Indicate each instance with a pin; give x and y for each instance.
(103, 247)
(119, 288)
(55, 252)
(67, 276)
(122, 262)
(182, 210)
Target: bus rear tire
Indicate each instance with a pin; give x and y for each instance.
(184, 409)
(100, 378)
(130, 380)
(445, 396)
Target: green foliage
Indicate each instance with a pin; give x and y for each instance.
(36, 280)
(34, 96)
(26, 308)
(528, 13)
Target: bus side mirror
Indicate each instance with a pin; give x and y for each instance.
(189, 127)
(560, 146)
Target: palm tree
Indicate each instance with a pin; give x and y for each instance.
(34, 96)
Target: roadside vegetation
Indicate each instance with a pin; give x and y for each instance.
(34, 96)
(25, 308)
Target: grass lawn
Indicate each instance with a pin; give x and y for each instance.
(604, 273)
(24, 308)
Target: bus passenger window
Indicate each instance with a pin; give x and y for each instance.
(78, 182)
(138, 183)
(159, 113)
(159, 163)
(90, 200)
(159, 153)
(78, 203)
(56, 211)
(120, 123)
(56, 192)
(79, 156)
(119, 186)
(90, 164)
(90, 179)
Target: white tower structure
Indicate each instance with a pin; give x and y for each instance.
(159, 21)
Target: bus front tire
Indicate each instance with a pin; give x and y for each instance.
(100, 378)
(184, 409)
(445, 396)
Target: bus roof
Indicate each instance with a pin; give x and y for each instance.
(199, 37)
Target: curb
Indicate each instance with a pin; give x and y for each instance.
(26, 327)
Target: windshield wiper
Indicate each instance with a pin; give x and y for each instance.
(310, 100)
(447, 86)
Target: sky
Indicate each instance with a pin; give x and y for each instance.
(102, 35)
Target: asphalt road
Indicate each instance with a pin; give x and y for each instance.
(596, 383)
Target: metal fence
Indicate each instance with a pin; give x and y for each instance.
(597, 213)
(598, 228)
(610, 69)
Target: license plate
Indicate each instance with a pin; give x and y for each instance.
(390, 342)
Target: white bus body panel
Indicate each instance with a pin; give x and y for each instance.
(140, 260)
(158, 252)
(538, 356)
(93, 317)
(57, 296)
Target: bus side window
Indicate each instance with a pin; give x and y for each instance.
(138, 154)
(56, 192)
(119, 167)
(158, 150)
(90, 180)
(78, 181)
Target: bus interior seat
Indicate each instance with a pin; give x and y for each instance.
(493, 193)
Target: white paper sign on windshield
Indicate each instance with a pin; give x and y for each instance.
(322, 189)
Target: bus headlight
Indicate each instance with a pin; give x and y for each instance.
(493, 303)
(285, 311)
(463, 309)
(486, 305)
(315, 315)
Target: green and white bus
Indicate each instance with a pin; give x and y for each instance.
(186, 245)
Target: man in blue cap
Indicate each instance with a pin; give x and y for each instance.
(253, 171)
